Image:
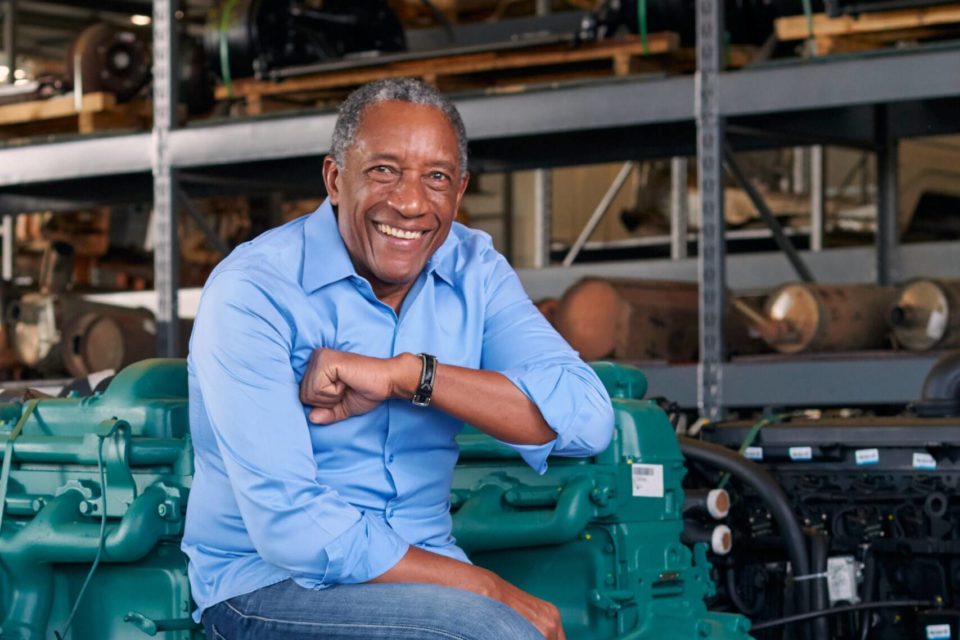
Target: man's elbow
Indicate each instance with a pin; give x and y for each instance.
(599, 427)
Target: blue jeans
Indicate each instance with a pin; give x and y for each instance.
(389, 610)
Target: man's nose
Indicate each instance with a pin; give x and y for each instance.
(408, 196)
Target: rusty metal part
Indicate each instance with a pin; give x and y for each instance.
(926, 315)
(89, 343)
(824, 317)
(548, 307)
(34, 334)
(111, 59)
(631, 319)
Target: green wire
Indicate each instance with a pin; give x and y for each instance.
(642, 25)
(226, 10)
(103, 531)
(748, 440)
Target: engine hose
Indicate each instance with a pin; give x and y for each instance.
(770, 492)
(819, 548)
(863, 606)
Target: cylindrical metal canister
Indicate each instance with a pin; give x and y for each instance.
(926, 315)
(632, 319)
(827, 317)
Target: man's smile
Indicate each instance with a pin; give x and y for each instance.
(403, 234)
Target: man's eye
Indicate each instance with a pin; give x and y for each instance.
(439, 176)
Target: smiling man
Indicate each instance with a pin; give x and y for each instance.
(324, 446)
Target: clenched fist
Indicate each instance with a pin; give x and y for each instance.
(339, 384)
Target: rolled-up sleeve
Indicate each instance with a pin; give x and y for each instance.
(240, 351)
(519, 343)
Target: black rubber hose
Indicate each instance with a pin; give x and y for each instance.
(770, 492)
(863, 606)
(819, 547)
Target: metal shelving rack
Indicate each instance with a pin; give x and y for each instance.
(867, 101)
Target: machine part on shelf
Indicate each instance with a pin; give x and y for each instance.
(748, 22)
(90, 343)
(713, 502)
(56, 267)
(836, 8)
(638, 320)
(56, 333)
(250, 37)
(34, 333)
(941, 389)
(927, 315)
(599, 538)
(718, 537)
(196, 78)
(808, 317)
(83, 483)
(110, 59)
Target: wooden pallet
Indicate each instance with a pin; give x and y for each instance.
(60, 114)
(871, 30)
(503, 70)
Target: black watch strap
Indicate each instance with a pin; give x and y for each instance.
(428, 374)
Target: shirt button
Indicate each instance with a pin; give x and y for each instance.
(390, 458)
(391, 513)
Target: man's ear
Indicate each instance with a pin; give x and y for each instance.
(331, 179)
(464, 181)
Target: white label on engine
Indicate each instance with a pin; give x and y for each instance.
(842, 579)
(753, 453)
(924, 461)
(938, 632)
(801, 453)
(648, 480)
(867, 456)
(936, 324)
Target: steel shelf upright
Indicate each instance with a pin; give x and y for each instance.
(165, 254)
(711, 262)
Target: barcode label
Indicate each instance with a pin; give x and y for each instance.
(647, 480)
(938, 632)
(801, 453)
(753, 453)
(867, 456)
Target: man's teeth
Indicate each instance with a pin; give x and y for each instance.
(398, 233)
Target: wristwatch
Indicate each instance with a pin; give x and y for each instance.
(428, 374)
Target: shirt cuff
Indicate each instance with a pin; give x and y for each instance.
(368, 549)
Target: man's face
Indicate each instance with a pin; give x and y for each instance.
(397, 193)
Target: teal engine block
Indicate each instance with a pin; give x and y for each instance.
(93, 492)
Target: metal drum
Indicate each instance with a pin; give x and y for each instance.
(638, 320)
(927, 315)
(806, 317)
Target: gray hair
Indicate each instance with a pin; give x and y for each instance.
(400, 89)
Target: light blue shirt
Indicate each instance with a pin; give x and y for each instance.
(275, 497)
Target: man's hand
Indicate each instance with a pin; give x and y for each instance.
(339, 384)
(418, 565)
(541, 614)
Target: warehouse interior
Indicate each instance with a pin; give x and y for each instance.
(746, 213)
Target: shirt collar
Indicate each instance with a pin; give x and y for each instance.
(326, 260)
